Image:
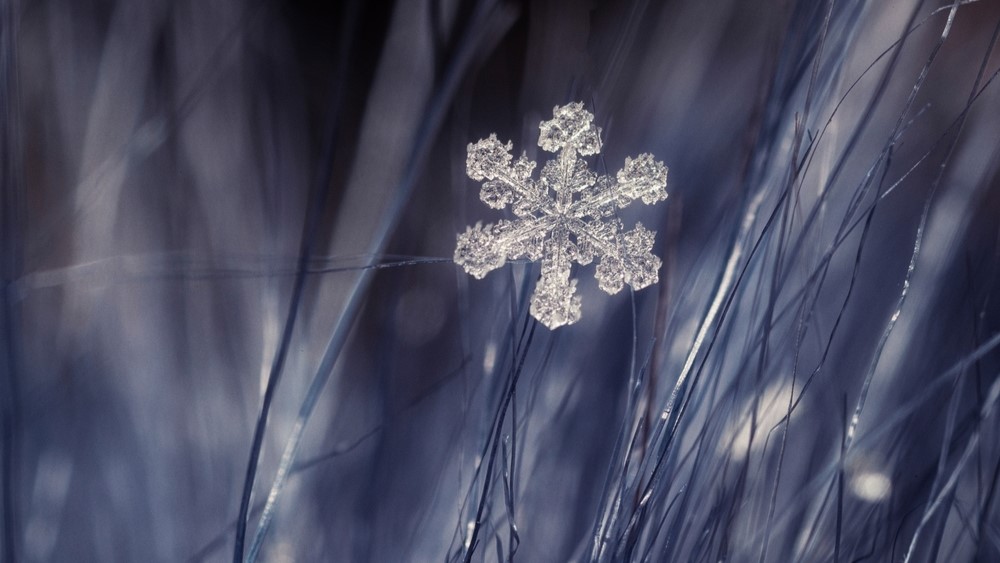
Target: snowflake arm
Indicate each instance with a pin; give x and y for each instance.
(482, 249)
(505, 181)
(571, 129)
(634, 263)
(565, 217)
(554, 301)
(642, 178)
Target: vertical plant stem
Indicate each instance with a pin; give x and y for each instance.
(320, 193)
(10, 232)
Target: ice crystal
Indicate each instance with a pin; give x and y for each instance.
(566, 216)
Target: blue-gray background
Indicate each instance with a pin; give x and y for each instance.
(813, 378)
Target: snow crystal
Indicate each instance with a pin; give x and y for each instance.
(564, 217)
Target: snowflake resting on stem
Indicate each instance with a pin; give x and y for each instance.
(576, 225)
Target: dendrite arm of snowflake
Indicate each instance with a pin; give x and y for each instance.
(482, 249)
(554, 301)
(642, 178)
(631, 262)
(478, 251)
(505, 181)
(571, 127)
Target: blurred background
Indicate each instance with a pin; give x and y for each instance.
(227, 240)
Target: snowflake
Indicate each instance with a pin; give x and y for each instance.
(576, 225)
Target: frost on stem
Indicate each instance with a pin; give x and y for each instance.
(565, 216)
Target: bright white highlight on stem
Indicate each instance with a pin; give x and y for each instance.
(871, 486)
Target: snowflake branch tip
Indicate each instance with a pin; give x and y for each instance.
(571, 127)
(478, 252)
(565, 217)
(643, 178)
